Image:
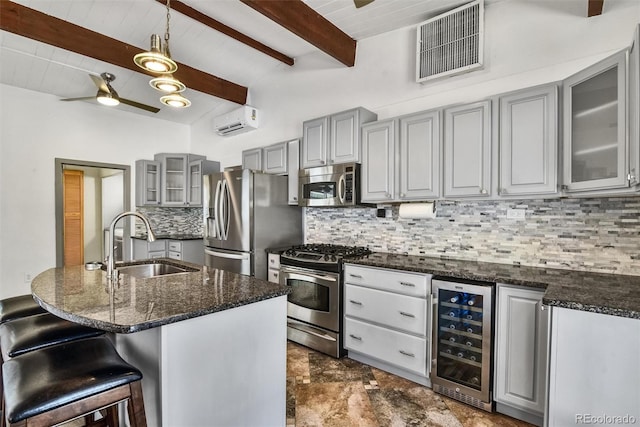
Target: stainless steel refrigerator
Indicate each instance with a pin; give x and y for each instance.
(245, 213)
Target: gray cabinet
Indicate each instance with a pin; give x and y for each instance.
(185, 250)
(467, 150)
(147, 183)
(181, 178)
(333, 139)
(529, 142)
(634, 110)
(401, 158)
(252, 159)
(273, 267)
(595, 126)
(293, 160)
(594, 370)
(521, 353)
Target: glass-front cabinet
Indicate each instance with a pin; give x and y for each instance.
(595, 138)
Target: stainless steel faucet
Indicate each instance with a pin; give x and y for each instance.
(112, 273)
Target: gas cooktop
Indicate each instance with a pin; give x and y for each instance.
(316, 255)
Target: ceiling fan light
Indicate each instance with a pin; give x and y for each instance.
(175, 100)
(167, 84)
(154, 60)
(108, 99)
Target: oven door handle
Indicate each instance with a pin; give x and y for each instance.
(296, 274)
(311, 330)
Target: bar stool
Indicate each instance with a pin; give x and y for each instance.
(67, 381)
(17, 307)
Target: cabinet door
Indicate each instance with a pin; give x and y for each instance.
(378, 162)
(529, 142)
(174, 179)
(147, 183)
(293, 159)
(195, 183)
(419, 152)
(467, 150)
(521, 349)
(314, 142)
(275, 158)
(252, 159)
(594, 99)
(634, 109)
(344, 139)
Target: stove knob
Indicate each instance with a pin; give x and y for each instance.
(326, 257)
(333, 258)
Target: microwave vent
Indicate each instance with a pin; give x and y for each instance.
(451, 43)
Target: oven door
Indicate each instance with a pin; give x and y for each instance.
(314, 297)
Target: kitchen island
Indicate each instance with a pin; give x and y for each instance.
(211, 344)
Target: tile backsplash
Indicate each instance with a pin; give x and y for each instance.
(599, 235)
(172, 220)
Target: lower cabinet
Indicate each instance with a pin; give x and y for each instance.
(594, 369)
(273, 268)
(387, 320)
(184, 250)
(521, 353)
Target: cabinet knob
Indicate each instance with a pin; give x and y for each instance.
(483, 191)
(387, 195)
(402, 195)
(295, 198)
(503, 191)
(322, 162)
(631, 178)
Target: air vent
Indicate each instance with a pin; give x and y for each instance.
(451, 43)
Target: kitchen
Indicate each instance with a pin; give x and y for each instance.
(569, 43)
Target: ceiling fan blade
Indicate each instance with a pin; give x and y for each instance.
(360, 3)
(139, 105)
(99, 81)
(84, 98)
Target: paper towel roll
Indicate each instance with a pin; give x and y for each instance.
(417, 210)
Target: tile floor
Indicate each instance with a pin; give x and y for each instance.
(328, 392)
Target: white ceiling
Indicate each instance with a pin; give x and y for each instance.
(39, 67)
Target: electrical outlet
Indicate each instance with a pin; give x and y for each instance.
(28, 277)
(517, 214)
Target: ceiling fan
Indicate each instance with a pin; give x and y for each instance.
(108, 96)
(360, 3)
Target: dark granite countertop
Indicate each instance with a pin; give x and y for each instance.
(613, 294)
(172, 236)
(83, 296)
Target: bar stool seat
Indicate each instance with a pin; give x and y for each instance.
(23, 335)
(17, 307)
(62, 382)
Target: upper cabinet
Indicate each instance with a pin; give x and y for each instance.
(147, 183)
(333, 139)
(252, 159)
(634, 110)
(412, 143)
(595, 126)
(293, 160)
(467, 150)
(529, 142)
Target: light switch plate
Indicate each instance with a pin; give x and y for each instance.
(517, 214)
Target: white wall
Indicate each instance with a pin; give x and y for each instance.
(526, 43)
(34, 130)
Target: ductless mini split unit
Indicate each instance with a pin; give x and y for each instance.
(450, 43)
(240, 120)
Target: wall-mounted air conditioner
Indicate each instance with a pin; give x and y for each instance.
(451, 43)
(240, 120)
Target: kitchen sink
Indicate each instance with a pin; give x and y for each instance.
(154, 269)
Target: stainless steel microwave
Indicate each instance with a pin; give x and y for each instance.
(326, 186)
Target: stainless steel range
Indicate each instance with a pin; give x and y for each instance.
(314, 310)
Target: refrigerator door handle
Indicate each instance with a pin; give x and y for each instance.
(216, 211)
(225, 217)
(243, 256)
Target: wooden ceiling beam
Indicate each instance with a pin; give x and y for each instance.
(44, 28)
(594, 7)
(300, 19)
(224, 29)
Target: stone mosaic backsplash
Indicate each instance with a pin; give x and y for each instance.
(599, 235)
(171, 220)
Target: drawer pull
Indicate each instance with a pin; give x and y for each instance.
(406, 353)
(357, 276)
(408, 284)
(355, 337)
(407, 314)
(355, 302)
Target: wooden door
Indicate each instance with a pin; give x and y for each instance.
(73, 208)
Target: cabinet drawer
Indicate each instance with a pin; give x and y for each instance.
(175, 255)
(158, 245)
(414, 284)
(274, 275)
(175, 246)
(396, 311)
(158, 254)
(273, 261)
(402, 350)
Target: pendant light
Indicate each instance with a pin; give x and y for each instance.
(158, 60)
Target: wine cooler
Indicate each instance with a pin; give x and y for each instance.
(462, 342)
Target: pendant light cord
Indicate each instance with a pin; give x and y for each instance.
(166, 34)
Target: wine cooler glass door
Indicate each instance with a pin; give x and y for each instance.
(463, 337)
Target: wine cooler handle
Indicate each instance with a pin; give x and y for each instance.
(432, 304)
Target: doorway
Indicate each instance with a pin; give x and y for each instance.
(106, 192)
